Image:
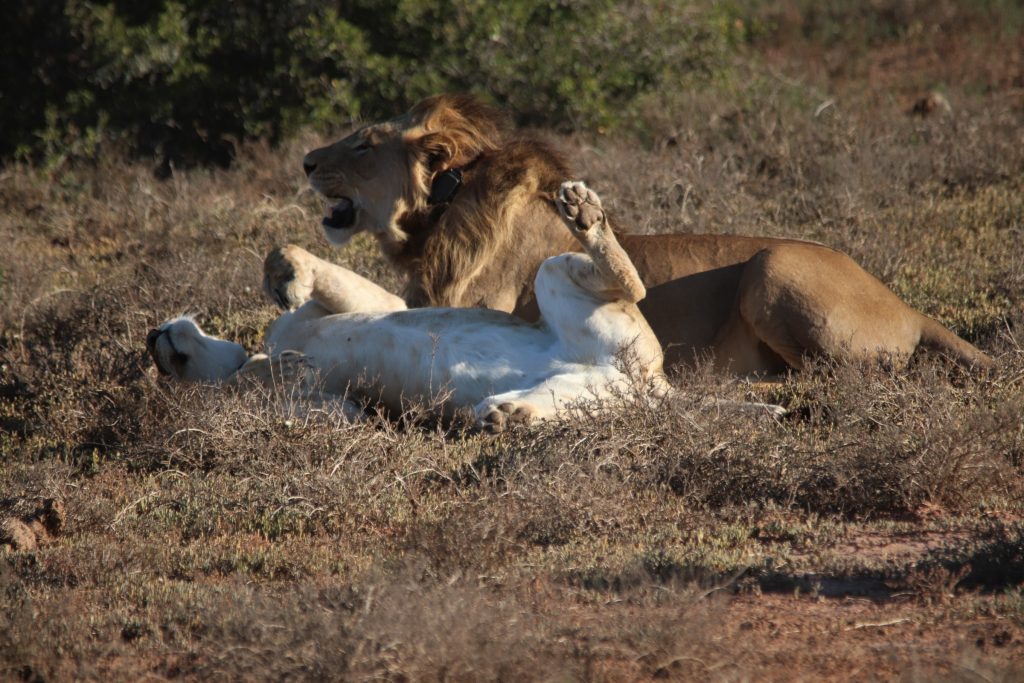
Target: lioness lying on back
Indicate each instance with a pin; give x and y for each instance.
(505, 368)
(466, 208)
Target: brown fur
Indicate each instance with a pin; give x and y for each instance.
(753, 305)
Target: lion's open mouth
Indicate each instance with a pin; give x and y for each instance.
(341, 215)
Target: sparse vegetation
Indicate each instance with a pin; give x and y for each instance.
(875, 534)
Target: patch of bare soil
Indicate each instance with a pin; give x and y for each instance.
(794, 637)
(911, 620)
(870, 546)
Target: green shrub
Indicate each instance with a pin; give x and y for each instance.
(186, 80)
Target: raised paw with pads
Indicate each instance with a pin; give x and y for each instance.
(580, 206)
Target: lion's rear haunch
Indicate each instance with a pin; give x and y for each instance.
(483, 246)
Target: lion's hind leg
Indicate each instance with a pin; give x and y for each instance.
(493, 416)
(805, 301)
(544, 401)
(496, 413)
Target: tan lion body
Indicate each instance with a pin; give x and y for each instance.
(752, 305)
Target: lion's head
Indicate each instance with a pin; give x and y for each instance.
(380, 175)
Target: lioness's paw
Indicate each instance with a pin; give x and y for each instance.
(580, 206)
(496, 418)
(291, 369)
(288, 276)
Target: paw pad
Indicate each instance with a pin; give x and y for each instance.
(580, 205)
(505, 415)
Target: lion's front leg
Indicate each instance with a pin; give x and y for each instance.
(295, 380)
(292, 276)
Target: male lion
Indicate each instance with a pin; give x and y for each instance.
(466, 207)
(506, 368)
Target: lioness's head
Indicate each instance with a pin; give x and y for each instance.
(181, 349)
(383, 172)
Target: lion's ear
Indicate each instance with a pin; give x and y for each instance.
(450, 131)
(440, 151)
(450, 148)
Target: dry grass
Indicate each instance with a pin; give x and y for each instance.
(217, 536)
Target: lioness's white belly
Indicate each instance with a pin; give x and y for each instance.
(461, 355)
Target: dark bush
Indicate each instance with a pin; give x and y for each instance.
(186, 81)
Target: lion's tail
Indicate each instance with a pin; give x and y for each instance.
(938, 338)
